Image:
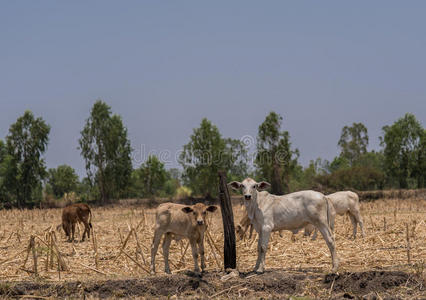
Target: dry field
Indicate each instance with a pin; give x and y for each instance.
(116, 262)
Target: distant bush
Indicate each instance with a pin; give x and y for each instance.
(183, 192)
(358, 178)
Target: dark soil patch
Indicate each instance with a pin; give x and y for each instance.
(365, 283)
(274, 283)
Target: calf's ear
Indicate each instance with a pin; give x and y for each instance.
(187, 209)
(263, 185)
(211, 208)
(235, 185)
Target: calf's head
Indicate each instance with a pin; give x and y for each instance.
(249, 187)
(198, 212)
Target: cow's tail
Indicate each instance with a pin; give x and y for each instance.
(90, 218)
(327, 201)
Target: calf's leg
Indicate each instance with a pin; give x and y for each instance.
(166, 247)
(195, 255)
(154, 247)
(201, 251)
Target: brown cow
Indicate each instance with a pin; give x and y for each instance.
(77, 212)
(177, 221)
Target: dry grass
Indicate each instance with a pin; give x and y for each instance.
(123, 235)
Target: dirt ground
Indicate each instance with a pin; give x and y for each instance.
(115, 264)
(279, 284)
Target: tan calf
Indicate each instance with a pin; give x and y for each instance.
(177, 221)
(243, 226)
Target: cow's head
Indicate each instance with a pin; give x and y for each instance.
(199, 212)
(249, 187)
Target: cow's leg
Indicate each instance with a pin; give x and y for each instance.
(166, 247)
(83, 236)
(86, 229)
(154, 247)
(195, 255)
(244, 231)
(314, 236)
(67, 229)
(263, 246)
(72, 232)
(328, 237)
(251, 231)
(358, 218)
(354, 224)
(201, 251)
(259, 246)
(308, 231)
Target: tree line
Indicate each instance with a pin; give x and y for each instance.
(110, 175)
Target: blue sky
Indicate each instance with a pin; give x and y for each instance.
(164, 65)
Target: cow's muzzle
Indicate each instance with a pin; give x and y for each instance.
(247, 197)
(200, 222)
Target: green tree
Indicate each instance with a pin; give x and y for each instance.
(26, 143)
(106, 150)
(207, 153)
(353, 142)
(151, 176)
(85, 190)
(372, 159)
(275, 161)
(404, 151)
(339, 163)
(173, 182)
(62, 180)
(3, 170)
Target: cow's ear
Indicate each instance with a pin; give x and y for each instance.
(187, 209)
(235, 185)
(263, 185)
(211, 208)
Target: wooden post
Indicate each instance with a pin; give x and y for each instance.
(229, 248)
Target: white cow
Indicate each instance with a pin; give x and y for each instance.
(292, 212)
(177, 221)
(344, 202)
